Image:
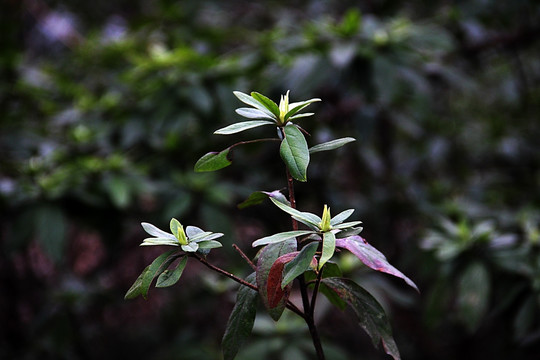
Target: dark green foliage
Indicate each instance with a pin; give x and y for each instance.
(101, 128)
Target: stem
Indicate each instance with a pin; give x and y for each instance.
(308, 310)
(226, 273)
(289, 305)
(315, 292)
(252, 141)
(244, 256)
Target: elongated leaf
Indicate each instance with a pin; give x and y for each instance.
(209, 244)
(160, 241)
(268, 103)
(155, 268)
(305, 218)
(347, 225)
(154, 231)
(298, 116)
(341, 217)
(372, 257)
(169, 278)
(331, 145)
(328, 248)
(369, 312)
(213, 161)
(259, 196)
(135, 289)
(251, 113)
(247, 99)
(241, 320)
(294, 152)
(242, 126)
(300, 264)
(299, 106)
(266, 259)
(274, 291)
(279, 237)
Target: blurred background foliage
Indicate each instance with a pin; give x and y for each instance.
(106, 106)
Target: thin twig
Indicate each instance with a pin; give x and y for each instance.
(226, 273)
(315, 292)
(244, 256)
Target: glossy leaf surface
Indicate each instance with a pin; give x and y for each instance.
(294, 152)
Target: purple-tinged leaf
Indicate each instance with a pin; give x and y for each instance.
(241, 320)
(372, 257)
(370, 314)
(274, 290)
(267, 257)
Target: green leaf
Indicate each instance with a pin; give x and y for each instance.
(241, 320)
(135, 289)
(251, 113)
(213, 161)
(242, 126)
(331, 145)
(158, 233)
(305, 218)
(268, 104)
(209, 244)
(473, 295)
(341, 217)
(328, 248)
(279, 237)
(169, 278)
(295, 153)
(369, 312)
(300, 264)
(298, 106)
(267, 257)
(347, 225)
(156, 267)
(247, 99)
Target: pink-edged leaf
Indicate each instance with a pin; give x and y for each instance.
(267, 257)
(370, 313)
(273, 288)
(372, 257)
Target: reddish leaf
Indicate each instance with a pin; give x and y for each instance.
(267, 257)
(372, 257)
(273, 288)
